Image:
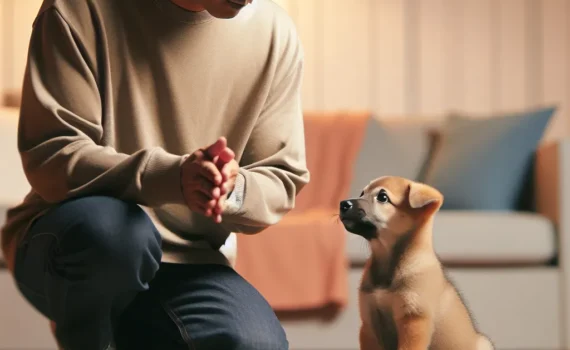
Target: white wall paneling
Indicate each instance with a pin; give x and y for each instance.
(345, 59)
(513, 55)
(555, 60)
(411, 58)
(432, 57)
(454, 75)
(24, 12)
(479, 18)
(16, 22)
(5, 39)
(308, 19)
(387, 83)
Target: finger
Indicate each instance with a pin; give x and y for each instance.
(208, 188)
(205, 186)
(228, 171)
(219, 207)
(217, 212)
(214, 149)
(208, 205)
(225, 156)
(199, 208)
(211, 172)
(226, 187)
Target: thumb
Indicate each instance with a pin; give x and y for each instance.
(214, 149)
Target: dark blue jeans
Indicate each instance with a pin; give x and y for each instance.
(92, 265)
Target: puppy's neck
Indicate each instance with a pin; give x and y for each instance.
(389, 252)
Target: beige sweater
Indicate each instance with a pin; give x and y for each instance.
(117, 92)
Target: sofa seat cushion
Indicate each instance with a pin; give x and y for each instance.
(483, 238)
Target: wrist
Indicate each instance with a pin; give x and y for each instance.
(181, 172)
(235, 197)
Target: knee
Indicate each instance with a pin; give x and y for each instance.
(257, 335)
(114, 236)
(252, 339)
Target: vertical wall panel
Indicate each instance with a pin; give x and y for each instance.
(412, 60)
(555, 60)
(3, 46)
(346, 53)
(431, 57)
(24, 14)
(285, 4)
(477, 55)
(512, 54)
(534, 46)
(454, 79)
(388, 57)
(305, 14)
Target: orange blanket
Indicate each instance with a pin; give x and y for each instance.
(300, 263)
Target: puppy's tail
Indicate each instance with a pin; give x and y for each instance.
(483, 343)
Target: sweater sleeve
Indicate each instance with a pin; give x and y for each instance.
(273, 167)
(61, 127)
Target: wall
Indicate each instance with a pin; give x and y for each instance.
(405, 57)
(426, 57)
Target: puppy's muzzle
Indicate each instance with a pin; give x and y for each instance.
(351, 210)
(354, 219)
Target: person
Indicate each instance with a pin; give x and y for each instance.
(150, 132)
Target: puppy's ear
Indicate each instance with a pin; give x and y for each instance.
(423, 196)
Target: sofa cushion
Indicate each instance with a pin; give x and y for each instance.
(483, 238)
(485, 163)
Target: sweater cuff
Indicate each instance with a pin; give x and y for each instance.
(160, 181)
(235, 200)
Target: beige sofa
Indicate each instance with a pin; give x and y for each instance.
(518, 295)
(511, 267)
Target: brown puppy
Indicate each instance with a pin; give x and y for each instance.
(406, 301)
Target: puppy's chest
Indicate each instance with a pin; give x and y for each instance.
(377, 313)
(380, 298)
(390, 302)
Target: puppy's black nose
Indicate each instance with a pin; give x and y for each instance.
(345, 206)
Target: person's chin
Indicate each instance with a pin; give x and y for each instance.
(230, 10)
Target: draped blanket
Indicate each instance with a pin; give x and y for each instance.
(301, 263)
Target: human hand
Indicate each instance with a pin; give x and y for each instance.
(229, 170)
(202, 182)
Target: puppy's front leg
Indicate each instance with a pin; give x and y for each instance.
(414, 332)
(367, 339)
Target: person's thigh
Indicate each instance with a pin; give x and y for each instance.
(200, 307)
(81, 263)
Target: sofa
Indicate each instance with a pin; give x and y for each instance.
(511, 267)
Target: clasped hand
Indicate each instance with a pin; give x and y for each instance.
(207, 177)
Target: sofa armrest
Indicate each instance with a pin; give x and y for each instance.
(552, 178)
(552, 184)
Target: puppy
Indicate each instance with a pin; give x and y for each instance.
(406, 301)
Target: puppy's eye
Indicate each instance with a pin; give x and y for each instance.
(382, 197)
(361, 194)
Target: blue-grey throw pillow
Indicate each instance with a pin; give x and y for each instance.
(484, 163)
